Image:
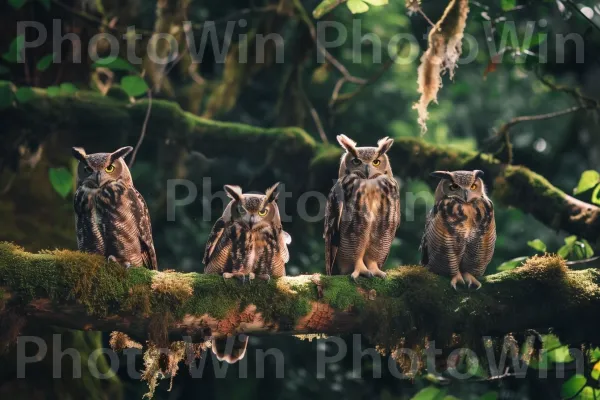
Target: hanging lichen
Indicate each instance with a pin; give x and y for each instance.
(445, 45)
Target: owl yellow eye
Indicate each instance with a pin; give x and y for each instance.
(356, 161)
(377, 163)
(474, 187)
(263, 212)
(110, 168)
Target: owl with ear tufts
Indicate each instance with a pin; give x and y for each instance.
(460, 232)
(363, 211)
(247, 242)
(111, 216)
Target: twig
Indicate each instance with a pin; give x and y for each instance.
(587, 260)
(574, 6)
(504, 130)
(313, 112)
(328, 56)
(420, 11)
(144, 127)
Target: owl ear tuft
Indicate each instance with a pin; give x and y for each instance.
(272, 194)
(120, 153)
(441, 174)
(383, 145)
(348, 144)
(234, 192)
(478, 174)
(79, 154)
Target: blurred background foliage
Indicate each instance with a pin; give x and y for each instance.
(36, 176)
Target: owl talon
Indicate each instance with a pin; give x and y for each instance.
(470, 279)
(112, 259)
(264, 277)
(227, 275)
(251, 277)
(456, 279)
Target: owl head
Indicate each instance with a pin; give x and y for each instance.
(255, 211)
(464, 186)
(98, 169)
(366, 162)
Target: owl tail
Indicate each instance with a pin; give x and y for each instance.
(230, 349)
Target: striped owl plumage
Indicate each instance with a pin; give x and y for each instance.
(248, 241)
(363, 211)
(111, 216)
(460, 232)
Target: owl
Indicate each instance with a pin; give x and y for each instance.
(247, 242)
(363, 211)
(111, 216)
(460, 232)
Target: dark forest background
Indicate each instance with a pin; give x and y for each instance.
(522, 79)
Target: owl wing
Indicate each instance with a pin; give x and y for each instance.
(479, 251)
(441, 249)
(145, 232)
(213, 240)
(333, 216)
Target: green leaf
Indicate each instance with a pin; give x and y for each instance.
(596, 195)
(324, 7)
(565, 250)
(538, 245)
(589, 393)
(588, 250)
(61, 180)
(489, 396)
(24, 94)
(376, 3)
(6, 96)
(596, 371)
(588, 180)
(52, 91)
(357, 6)
(538, 39)
(45, 62)
(573, 386)
(508, 4)
(13, 54)
(429, 393)
(16, 4)
(570, 240)
(68, 88)
(134, 85)
(511, 264)
(45, 3)
(115, 64)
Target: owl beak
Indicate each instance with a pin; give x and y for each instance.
(93, 180)
(252, 221)
(466, 195)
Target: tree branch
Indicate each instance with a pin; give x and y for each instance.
(83, 291)
(107, 120)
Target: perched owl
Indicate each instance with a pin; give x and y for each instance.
(248, 241)
(460, 232)
(363, 211)
(111, 216)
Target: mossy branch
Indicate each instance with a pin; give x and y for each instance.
(95, 120)
(82, 291)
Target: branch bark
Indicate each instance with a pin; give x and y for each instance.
(83, 291)
(100, 121)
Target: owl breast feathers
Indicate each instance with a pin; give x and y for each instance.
(248, 240)
(363, 211)
(460, 232)
(111, 216)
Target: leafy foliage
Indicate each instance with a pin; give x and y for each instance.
(13, 54)
(44, 63)
(61, 180)
(134, 85)
(115, 64)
